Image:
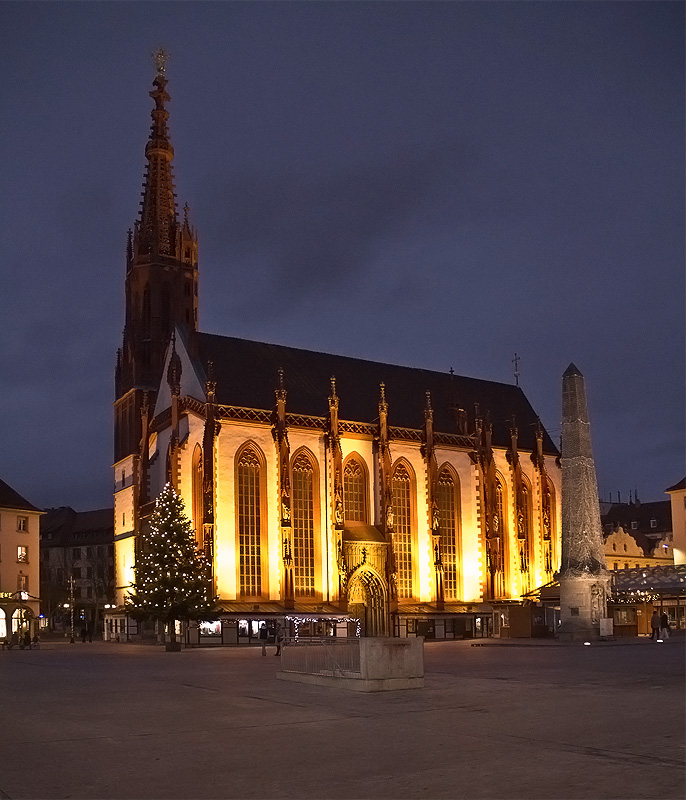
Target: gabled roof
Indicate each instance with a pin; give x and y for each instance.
(623, 514)
(9, 498)
(65, 527)
(678, 487)
(246, 373)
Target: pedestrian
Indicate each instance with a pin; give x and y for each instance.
(14, 640)
(263, 637)
(278, 638)
(90, 633)
(664, 626)
(84, 633)
(655, 626)
(27, 640)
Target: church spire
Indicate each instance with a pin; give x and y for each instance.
(156, 229)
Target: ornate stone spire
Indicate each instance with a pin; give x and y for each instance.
(582, 537)
(156, 229)
(584, 581)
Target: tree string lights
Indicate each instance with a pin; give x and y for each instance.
(172, 578)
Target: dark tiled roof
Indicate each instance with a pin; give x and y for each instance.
(642, 513)
(247, 374)
(66, 527)
(677, 486)
(11, 499)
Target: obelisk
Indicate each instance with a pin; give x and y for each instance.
(584, 580)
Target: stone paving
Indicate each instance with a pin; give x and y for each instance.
(497, 721)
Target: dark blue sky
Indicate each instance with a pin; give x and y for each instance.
(431, 184)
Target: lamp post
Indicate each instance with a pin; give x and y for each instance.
(71, 606)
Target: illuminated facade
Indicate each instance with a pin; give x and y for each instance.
(19, 564)
(321, 484)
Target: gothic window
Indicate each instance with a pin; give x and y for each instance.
(249, 516)
(402, 537)
(449, 522)
(165, 309)
(497, 546)
(197, 478)
(524, 538)
(355, 491)
(548, 528)
(303, 526)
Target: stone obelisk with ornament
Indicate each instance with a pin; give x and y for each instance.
(584, 580)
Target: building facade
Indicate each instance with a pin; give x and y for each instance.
(321, 487)
(19, 564)
(76, 567)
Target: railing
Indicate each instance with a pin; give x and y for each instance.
(321, 656)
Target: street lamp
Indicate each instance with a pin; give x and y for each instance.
(71, 606)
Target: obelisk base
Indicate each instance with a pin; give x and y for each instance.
(583, 603)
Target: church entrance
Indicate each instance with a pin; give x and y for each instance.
(367, 602)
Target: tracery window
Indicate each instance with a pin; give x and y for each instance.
(303, 526)
(402, 537)
(524, 539)
(448, 520)
(249, 524)
(354, 491)
(497, 546)
(198, 495)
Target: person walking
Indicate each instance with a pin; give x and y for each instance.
(278, 638)
(655, 626)
(664, 626)
(27, 640)
(14, 641)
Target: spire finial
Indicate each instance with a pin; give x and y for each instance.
(160, 57)
(515, 361)
(333, 386)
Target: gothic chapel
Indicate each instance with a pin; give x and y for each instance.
(330, 493)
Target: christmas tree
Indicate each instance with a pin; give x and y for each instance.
(173, 579)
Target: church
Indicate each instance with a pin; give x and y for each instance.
(334, 495)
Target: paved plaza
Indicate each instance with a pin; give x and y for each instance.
(493, 721)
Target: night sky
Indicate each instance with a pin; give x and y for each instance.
(430, 184)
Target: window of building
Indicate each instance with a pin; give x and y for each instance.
(616, 565)
(89, 572)
(614, 546)
(354, 491)
(89, 552)
(197, 495)
(3, 624)
(76, 553)
(22, 523)
(23, 554)
(22, 582)
(448, 521)
(303, 526)
(626, 566)
(653, 523)
(249, 524)
(634, 525)
(402, 537)
(89, 591)
(76, 572)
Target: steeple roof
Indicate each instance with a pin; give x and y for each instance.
(155, 232)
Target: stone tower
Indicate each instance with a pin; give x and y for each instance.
(161, 280)
(584, 580)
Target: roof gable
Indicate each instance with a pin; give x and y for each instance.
(9, 498)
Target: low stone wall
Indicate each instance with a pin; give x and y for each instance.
(385, 664)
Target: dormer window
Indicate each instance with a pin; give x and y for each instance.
(653, 523)
(634, 525)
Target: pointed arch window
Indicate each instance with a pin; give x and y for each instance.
(303, 526)
(197, 478)
(449, 526)
(402, 537)
(496, 551)
(249, 516)
(165, 309)
(524, 538)
(548, 528)
(355, 491)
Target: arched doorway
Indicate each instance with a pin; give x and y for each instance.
(367, 602)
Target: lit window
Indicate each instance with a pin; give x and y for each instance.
(249, 524)
(402, 537)
(354, 492)
(303, 527)
(22, 523)
(448, 521)
(23, 554)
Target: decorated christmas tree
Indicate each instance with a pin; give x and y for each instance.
(173, 579)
